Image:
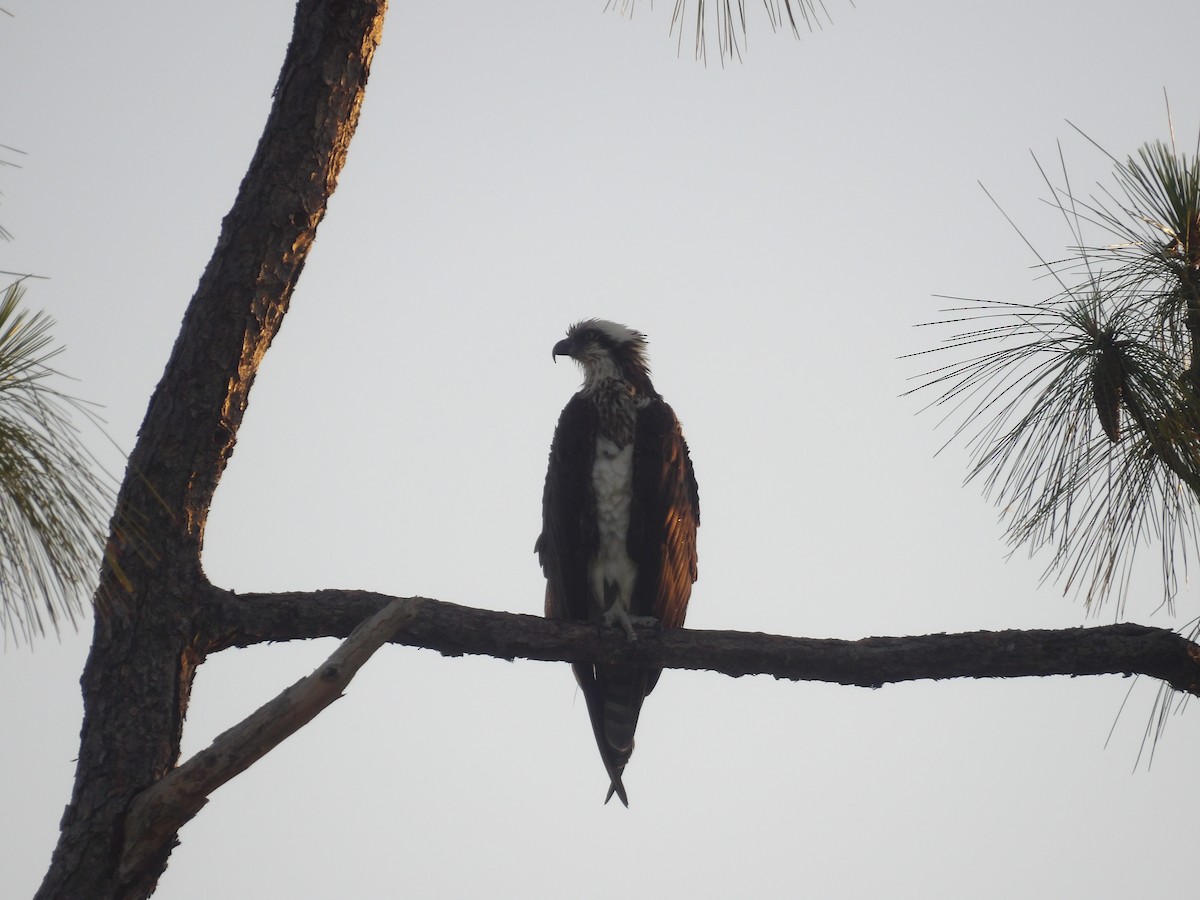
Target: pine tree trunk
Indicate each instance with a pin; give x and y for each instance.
(145, 648)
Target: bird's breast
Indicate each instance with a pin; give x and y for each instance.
(612, 480)
(612, 483)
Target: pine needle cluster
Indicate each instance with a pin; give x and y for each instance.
(54, 496)
(1082, 412)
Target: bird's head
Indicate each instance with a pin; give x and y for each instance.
(607, 351)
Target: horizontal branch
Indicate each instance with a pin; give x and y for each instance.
(162, 809)
(234, 620)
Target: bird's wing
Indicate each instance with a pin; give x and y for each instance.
(568, 538)
(565, 546)
(663, 518)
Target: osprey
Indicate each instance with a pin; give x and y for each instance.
(619, 517)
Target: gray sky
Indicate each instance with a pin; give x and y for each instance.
(776, 228)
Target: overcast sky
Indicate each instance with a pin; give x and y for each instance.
(776, 227)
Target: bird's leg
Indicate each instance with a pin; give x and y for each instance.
(616, 610)
(617, 615)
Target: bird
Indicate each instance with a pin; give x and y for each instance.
(620, 511)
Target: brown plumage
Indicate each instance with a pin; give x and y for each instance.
(618, 461)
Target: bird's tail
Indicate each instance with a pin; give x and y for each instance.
(622, 697)
(614, 697)
(623, 690)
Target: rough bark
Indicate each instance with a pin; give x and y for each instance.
(144, 654)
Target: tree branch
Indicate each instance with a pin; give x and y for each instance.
(233, 620)
(162, 809)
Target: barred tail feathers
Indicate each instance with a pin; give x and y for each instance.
(622, 690)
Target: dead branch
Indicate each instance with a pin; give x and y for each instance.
(241, 620)
(162, 809)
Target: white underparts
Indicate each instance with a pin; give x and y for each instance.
(611, 571)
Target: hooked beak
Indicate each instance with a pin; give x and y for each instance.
(562, 348)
